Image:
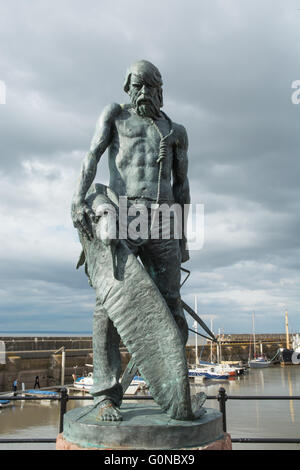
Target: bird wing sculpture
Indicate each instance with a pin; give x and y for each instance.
(138, 311)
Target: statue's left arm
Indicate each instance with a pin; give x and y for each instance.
(181, 188)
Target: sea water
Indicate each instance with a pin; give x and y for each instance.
(255, 418)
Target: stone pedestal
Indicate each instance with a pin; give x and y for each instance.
(144, 426)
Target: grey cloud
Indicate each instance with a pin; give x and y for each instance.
(227, 71)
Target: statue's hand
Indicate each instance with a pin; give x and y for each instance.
(106, 229)
(81, 216)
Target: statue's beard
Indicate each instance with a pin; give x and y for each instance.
(146, 107)
(148, 110)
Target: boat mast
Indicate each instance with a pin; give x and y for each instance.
(287, 330)
(211, 343)
(254, 344)
(219, 351)
(196, 331)
(249, 347)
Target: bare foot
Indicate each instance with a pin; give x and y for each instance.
(108, 412)
(198, 401)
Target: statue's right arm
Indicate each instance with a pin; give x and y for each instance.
(101, 140)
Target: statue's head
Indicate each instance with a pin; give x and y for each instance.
(143, 83)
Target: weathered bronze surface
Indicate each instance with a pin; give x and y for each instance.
(144, 426)
(137, 300)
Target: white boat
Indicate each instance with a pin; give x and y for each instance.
(290, 355)
(296, 343)
(132, 389)
(5, 403)
(232, 371)
(207, 370)
(204, 370)
(139, 381)
(226, 369)
(259, 363)
(198, 379)
(86, 383)
(212, 373)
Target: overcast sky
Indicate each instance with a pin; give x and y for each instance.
(227, 68)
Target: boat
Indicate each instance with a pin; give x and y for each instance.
(221, 368)
(41, 393)
(287, 355)
(229, 369)
(233, 371)
(236, 370)
(258, 362)
(138, 380)
(4, 403)
(194, 372)
(202, 370)
(211, 373)
(85, 384)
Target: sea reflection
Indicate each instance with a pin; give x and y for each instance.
(292, 411)
(263, 418)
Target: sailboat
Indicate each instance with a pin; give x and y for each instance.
(85, 383)
(4, 403)
(286, 354)
(258, 362)
(195, 371)
(202, 370)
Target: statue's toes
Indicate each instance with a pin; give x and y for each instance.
(198, 401)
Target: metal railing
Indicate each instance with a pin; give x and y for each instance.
(221, 397)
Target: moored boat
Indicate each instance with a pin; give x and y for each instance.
(5, 403)
(259, 363)
(211, 373)
(287, 355)
(41, 393)
(85, 384)
(231, 369)
(138, 380)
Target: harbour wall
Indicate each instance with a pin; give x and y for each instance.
(238, 348)
(26, 358)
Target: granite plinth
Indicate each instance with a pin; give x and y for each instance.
(220, 444)
(144, 426)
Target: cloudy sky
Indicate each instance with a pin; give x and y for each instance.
(227, 68)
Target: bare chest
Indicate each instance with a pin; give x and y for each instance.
(135, 132)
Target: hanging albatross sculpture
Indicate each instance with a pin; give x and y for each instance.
(137, 313)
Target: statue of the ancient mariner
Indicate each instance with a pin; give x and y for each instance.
(137, 300)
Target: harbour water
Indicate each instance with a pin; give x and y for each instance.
(262, 418)
(255, 418)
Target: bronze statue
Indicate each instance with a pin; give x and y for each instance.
(140, 303)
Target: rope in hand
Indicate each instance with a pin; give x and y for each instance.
(161, 156)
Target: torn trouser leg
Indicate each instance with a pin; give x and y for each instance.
(107, 359)
(162, 260)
